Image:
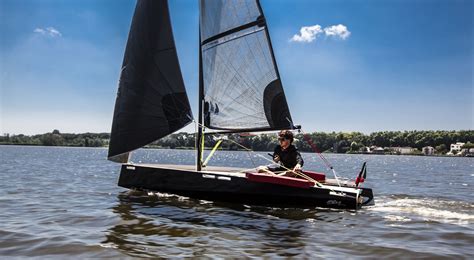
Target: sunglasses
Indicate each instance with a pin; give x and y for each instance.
(282, 139)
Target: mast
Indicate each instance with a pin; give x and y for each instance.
(200, 101)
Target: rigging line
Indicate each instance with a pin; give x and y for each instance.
(307, 138)
(304, 176)
(195, 132)
(250, 156)
(197, 124)
(316, 150)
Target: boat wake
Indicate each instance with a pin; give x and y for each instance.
(401, 208)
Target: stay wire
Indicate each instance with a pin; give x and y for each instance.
(318, 152)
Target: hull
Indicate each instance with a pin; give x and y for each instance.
(230, 185)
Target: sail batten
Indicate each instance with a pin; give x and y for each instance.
(259, 21)
(241, 84)
(151, 99)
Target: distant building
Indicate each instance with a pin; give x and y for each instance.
(470, 152)
(428, 150)
(404, 150)
(467, 152)
(456, 147)
(378, 150)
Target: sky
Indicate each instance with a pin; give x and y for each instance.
(348, 65)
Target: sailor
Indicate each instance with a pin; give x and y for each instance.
(286, 154)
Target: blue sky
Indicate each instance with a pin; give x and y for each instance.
(406, 65)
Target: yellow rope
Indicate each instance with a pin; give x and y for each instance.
(202, 145)
(212, 152)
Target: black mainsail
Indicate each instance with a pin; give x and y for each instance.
(151, 100)
(242, 90)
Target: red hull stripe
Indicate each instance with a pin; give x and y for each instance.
(321, 177)
(280, 180)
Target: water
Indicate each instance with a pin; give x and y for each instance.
(64, 202)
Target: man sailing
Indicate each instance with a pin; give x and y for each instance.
(286, 154)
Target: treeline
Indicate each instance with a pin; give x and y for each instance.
(56, 138)
(325, 142)
(354, 141)
(331, 142)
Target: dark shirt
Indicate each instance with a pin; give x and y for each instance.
(288, 157)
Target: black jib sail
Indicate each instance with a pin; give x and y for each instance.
(242, 89)
(151, 100)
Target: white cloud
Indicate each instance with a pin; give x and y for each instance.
(337, 31)
(307, 33)
(310, 33)
(40, 31)
(49, 31)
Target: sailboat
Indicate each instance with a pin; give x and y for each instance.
(240, 90)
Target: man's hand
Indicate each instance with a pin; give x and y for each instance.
(297, 168)
(264, 169)
(276, 158)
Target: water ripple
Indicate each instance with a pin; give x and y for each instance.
(64, 202)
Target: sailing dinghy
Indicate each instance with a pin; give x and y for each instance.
(240, 90)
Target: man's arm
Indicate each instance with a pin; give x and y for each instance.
(299, 158)
(276, 156)
(299, 161)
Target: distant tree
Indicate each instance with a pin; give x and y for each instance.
(355, 146)
(50, 139)
(173, 143)
(468, 145)
(441, 148)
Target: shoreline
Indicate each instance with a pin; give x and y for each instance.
(392, 142)
(192, 149)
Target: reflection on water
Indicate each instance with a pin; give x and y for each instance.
(163, 225)
(150, 223)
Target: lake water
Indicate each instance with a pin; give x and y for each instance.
(65, 202)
